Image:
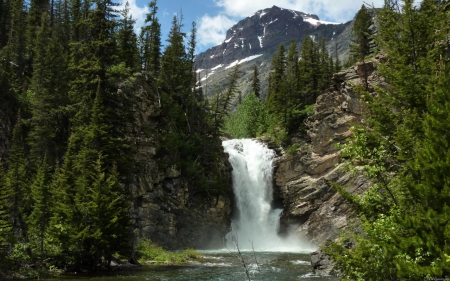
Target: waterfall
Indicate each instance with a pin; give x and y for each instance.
(256, 222)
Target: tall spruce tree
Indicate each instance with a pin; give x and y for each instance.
(256, 87)
(362, 35)
(275, 92)
(6, 229)
(49, 84)
(17, 184)
(127, 41)
(309, 69)
(150, 44)
(39, 218)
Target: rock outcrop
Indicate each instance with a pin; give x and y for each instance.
(166, 208)
(303, 181)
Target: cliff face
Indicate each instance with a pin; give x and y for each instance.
(303, 181)
(164, 205)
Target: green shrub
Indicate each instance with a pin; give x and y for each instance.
(148, 251)
(293, 148)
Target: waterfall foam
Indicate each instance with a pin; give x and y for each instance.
(256, 222)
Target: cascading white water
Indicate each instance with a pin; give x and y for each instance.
(257, 222)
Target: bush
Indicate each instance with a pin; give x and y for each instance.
(148, 251)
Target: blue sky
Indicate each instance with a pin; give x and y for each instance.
(215, 17)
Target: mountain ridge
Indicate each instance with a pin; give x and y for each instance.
(255, 39)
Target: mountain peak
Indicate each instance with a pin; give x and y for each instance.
(255, 34)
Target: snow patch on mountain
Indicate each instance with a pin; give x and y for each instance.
(247, 59)
(260, 41)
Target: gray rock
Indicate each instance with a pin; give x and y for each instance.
(303, 181)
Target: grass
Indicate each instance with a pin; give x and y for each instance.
(148, 251)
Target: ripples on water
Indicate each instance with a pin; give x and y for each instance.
(219, 266)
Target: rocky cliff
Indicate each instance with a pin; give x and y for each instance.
(303, 180)
(166, 207)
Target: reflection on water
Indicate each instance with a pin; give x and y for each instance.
(218, 265)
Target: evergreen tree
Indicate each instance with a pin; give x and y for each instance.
(291, 88)
(362, 35)
(127, 41)
(17, 184)
(150, 44)
(14, 52)
(5, 18)
(39, 218)
(49, 84)
(309, 70)
(6, 234)
(223, 99)
(256, 87)
(275, 93)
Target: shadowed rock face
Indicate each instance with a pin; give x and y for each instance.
(165, 206)
(303, 181)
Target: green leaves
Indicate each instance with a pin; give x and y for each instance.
(403, 148)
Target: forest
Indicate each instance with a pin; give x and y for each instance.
(76, 88)
(76, 82)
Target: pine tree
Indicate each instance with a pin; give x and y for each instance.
(291, 88)
(49, 132)
(309, 70)
(223, 99)
(17, 184)
(256, 87)
(6, 233)
(275, 95)
(39, 218)
(150, 44)
(14, 52)
(5, 18)
(33, 22)
(127, 41)
(362, 35)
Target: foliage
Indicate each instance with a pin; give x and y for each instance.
(148, 251)
(403, 149)
(362, 36)
(295, 82)
(292, 149)
(249, 120)
(77, 84)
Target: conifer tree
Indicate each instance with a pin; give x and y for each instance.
(275, 92)
(6, 234)
(49, 84)
(291, 87)
(5, 18)
(17, 184)
(150, 43)
(39, 218)
(256, 87)
(309, 69)
(127, 41)
(362, 35)
(14, 52)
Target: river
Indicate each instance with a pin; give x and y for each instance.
(218, 266)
